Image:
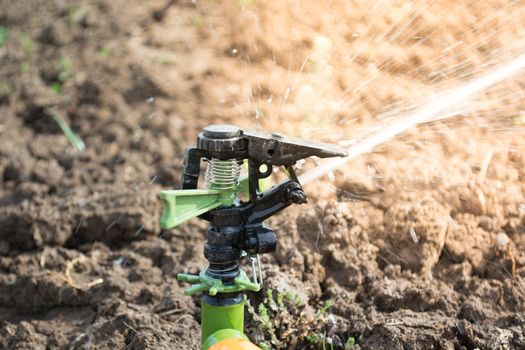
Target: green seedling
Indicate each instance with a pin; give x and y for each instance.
(56, 87)
(295, 298)
(4, 36)
(27, 43)
(5, 87)
(313, 338)
(24, 67)
(77, 14)
(323, 310)
(104, 52)
(73, 138)
(64, 67)
(350, 343)
(316, 338)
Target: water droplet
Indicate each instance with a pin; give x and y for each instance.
(413, 234)
(502, 239)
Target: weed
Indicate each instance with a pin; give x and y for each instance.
(4, 35)
(313, 338)
(78, 14)
(270, 300)
(264, 346)
(266, 322)
(104, 52)
(27, 43)
(24, 67)
(73, 138)
(5, 88)
(64, 68)
(322, 311)
(56, 87)
(350, 343)
(264, 319)
(295, 298)
(284, 321)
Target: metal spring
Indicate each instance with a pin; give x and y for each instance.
(222, 174)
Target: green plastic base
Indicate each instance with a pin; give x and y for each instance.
(218, 318)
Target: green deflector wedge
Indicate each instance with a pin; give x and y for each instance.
(182, 205)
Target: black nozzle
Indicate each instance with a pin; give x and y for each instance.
(259, 239)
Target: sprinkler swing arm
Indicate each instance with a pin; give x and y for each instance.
(236, 226)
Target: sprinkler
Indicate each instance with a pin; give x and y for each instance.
(236, 207)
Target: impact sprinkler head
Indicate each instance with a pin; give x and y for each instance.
(236, 226)
(225, 148)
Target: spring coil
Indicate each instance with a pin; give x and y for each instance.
(222, 174)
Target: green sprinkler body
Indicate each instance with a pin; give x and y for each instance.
(236, 225)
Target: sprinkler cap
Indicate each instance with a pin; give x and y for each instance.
(222, 141)
(221, 131)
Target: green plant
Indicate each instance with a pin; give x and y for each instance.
(56, 87)
(64, 68)
(284, 320)
(78, 14)
(104, 52)
(5, 87)
(27, 43)
(313, 338)
(24, 67)
(4, 35)
(264, 346)
(73, 138)
(295, 298)
(322, 311)
(266, 323)
(350, 343)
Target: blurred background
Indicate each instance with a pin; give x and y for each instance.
(417, 243)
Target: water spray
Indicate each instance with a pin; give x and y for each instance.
(237, 226)
(439, 104)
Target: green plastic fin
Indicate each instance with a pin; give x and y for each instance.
(182, 205)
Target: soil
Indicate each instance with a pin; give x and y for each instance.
(417, 245)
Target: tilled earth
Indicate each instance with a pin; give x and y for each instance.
(418, 245)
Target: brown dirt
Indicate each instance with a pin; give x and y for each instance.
(419, 245)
